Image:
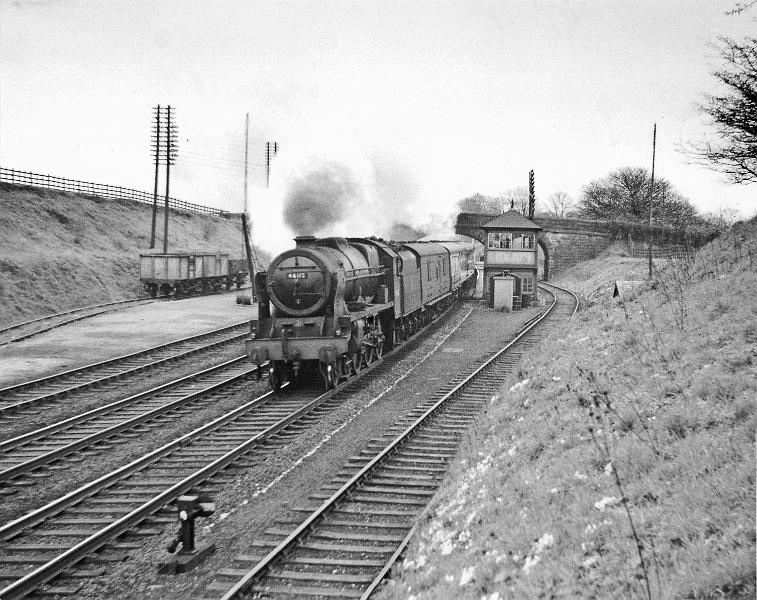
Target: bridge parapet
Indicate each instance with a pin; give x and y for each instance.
(565, 242)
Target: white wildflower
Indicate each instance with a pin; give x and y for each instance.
(555, 378)
(446, 548)
(605, 502)
(449, 578)
(511, 451)
(544, 542)
(590, 561)
(492, 596)
(222, 516)
(519, 385)
(494, 398)
(531, 562)
(581, 476)
(408, 564)
(467, 575)
(583, 339)
(421, 562)
(608, 468)
(553, 491)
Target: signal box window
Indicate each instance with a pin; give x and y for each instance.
(500, 240)
(528, 284)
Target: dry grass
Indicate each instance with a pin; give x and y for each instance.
(621, 462)
(60, 250)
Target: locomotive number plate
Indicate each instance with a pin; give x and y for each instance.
(297, 275)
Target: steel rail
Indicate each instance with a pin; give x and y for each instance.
(33, 382)
(11, 408)
(70, 312)
(70, 557)
(44, 573)
(241, 587)
(28, 465)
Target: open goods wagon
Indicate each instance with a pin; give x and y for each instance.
(186, 273)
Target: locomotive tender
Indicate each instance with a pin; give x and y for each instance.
(335, 303)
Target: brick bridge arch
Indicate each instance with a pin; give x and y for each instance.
(563, 242)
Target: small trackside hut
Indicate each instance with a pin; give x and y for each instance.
(511, 247)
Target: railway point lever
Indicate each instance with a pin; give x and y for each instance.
(189, 508)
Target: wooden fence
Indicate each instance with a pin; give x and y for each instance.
(101, 190)
(669, 253)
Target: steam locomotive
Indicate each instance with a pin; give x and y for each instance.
(335, 304)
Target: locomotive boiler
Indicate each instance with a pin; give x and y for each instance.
(333, 304)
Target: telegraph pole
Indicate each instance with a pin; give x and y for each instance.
(271, 149)
(246, 147)
(156, 151)
(170, 157)
(651, 196)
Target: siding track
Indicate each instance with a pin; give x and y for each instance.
(20, 400)
(27, 329)
(48, 541)
(364, 519)
(150, 409)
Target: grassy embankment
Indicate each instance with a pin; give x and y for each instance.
(620, 462)
(61, 250)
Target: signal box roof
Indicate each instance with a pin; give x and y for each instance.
(512, 219)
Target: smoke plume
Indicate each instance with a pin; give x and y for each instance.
(321, 198)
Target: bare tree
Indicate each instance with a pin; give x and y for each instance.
(478, 203)
(721, 218)
(734, 115)
(516, 198)
(624, 194)
(560, 204)
(741, 7)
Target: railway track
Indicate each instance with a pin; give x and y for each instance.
(20, 400)
(90, 517)
(27, 329)
(51, 540)
(115, 423)
(362, 521)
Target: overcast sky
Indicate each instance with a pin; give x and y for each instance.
(427, 102)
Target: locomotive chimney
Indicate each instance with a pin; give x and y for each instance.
(304, 241)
